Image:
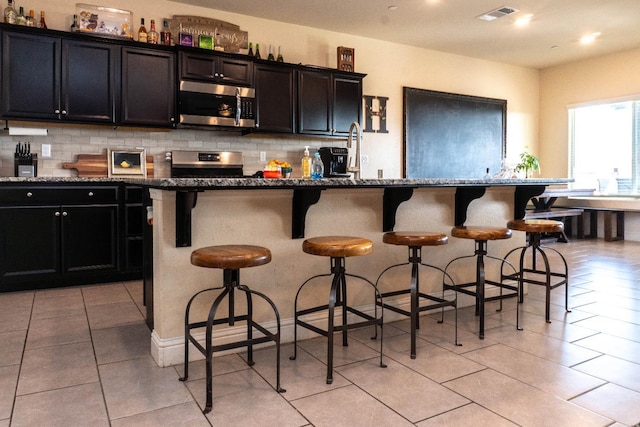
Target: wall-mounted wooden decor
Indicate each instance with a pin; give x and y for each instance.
(224, 34)
(346, 59)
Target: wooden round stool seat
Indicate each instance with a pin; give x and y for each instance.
(231, 257)
(337, 246)
(415, 238)
(481, 233)
(536, 225)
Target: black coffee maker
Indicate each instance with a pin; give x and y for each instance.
(335, 161)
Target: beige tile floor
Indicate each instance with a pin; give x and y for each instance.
(80, 357)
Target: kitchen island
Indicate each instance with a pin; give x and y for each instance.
(191, 213)
(278, 213)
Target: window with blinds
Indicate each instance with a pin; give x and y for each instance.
(604, 146)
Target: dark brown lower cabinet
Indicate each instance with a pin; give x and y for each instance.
(44, 245)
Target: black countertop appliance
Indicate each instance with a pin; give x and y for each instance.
(335, 161)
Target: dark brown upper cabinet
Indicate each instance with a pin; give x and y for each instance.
(214, 68)
(328, 102)
(275, 98)
(52, 78)
(148, 87)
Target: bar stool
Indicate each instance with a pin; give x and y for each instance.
(337, 248)
(535, 228)
(481, 235)
(229, 258)
(415, 240)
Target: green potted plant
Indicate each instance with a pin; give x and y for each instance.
(528, 162)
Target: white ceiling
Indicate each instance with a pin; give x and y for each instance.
(451, 26)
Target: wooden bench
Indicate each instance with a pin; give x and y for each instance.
(562, 214)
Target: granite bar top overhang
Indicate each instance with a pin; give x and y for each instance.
(260, 183)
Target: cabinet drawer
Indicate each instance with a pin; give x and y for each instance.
(58, 195)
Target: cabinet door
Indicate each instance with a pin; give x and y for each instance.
(89, 239)
(347, 103)
(29, 244)
(275, 98)
(314, 103)
(195, 66)
(30, 76)
(148, 87)
(235, 71)
(209, 67)
(88, 81)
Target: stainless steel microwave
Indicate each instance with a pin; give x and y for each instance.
(211, 104)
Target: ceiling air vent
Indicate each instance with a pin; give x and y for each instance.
(497, 13)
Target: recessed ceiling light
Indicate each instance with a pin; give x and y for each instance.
(392, 7)
(524, 20)
(589, 38)
(497, 13)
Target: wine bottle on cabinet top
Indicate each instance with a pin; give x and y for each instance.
(74, 24)
(21, 19)
(152, 35)
(258, 51)
(31, 20)
(166, 40)
(10, 14)
(42, 23)
(142, 32)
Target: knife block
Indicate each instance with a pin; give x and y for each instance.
(25, 166)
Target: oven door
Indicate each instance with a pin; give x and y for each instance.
(209, 104)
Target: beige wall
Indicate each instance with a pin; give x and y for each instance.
(388, 66)
(605, 77)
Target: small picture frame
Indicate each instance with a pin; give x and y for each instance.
(127, 163)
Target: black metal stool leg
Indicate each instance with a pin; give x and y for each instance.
(209, 348)
(335, 286)
(414, 307)
(337, 298)
(480, 280)
(276, 337)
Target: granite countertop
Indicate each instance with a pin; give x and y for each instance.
(258, 183)
(293, 183)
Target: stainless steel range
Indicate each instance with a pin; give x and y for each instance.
(207, 164)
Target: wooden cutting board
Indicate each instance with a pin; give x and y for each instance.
(95, 166)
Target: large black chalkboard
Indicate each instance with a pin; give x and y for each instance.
(447, 135)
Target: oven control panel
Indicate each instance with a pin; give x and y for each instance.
(208, 157)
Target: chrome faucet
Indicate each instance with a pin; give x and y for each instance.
(356, 168)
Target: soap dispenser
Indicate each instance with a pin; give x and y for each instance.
(317, 167)
(306, 164)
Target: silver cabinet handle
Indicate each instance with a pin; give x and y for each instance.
(90, 193)
(64, 112)
(57, 214)
(29, 194)
(64, 214)
(56, 111)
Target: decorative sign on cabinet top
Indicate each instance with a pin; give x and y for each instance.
(224, 34)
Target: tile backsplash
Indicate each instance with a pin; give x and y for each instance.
(68, 142)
